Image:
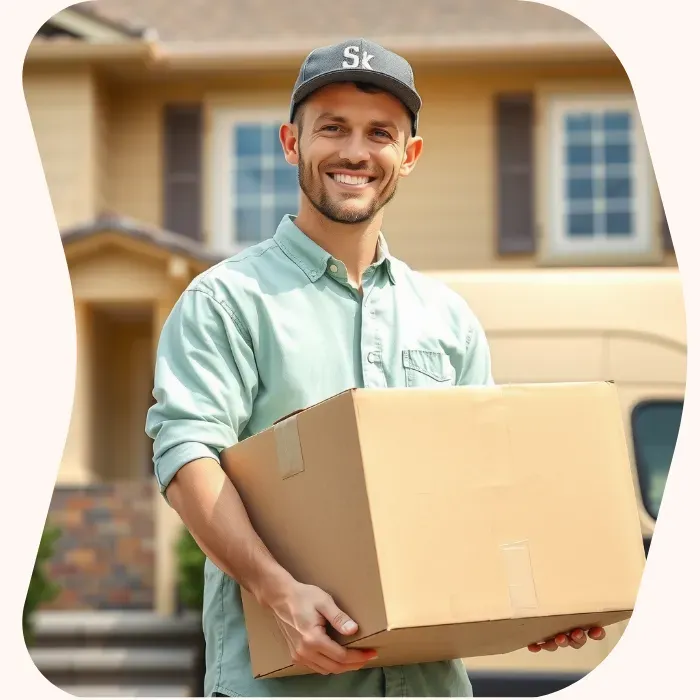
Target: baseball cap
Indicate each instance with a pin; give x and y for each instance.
(362, 61)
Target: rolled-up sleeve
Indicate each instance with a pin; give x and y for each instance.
(205, 381)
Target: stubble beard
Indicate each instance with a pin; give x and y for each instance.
(319, 197)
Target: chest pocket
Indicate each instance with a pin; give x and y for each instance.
(425, 368)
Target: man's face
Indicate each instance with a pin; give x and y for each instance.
(353, 148)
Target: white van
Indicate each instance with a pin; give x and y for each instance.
(624, 325)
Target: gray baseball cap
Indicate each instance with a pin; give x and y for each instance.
(362, 61)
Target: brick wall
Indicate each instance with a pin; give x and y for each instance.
(105, 557)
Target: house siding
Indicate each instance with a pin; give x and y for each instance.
(134, 155)
(62, 112)
(102, 108)
(444, 215)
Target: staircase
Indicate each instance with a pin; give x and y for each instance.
(119, 653)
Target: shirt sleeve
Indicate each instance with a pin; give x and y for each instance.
(205, 381)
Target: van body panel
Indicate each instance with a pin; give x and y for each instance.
(624, 325)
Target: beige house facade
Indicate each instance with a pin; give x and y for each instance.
(160, 155)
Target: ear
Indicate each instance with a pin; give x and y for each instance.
(413, 151)
(289, 138)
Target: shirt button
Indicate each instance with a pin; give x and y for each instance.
(334, 268)
(373, 357)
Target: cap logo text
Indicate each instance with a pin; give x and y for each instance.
(352, 54)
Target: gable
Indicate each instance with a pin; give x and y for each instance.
(112, 274)
(83, 25)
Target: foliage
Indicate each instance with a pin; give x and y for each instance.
(190, 582)
(190, 564)
(41, 588)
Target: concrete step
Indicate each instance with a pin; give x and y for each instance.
(128, 691)
(82, 659)
(115, 628)
(115, 666)
(118, 653)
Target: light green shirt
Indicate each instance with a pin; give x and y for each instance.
(274, 329)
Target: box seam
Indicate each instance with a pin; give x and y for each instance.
(358, 422)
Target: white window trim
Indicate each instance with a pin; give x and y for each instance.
(223, 183)
(558, 245)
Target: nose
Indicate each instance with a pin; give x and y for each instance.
(354, 148)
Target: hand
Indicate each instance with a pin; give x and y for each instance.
(575, 640)
(302, 612)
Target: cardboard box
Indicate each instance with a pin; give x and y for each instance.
(448, 523)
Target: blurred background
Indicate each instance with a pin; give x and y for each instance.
(156, 124)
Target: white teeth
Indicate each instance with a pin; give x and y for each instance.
(350, 179)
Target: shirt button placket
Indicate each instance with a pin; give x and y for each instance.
(371, 346)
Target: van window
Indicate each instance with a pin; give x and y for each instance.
(655, 426)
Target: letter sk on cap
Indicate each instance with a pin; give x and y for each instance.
(362, 61)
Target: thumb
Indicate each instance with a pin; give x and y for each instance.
(338, 619)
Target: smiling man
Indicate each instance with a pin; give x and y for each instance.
(351, 190)
(319, 307)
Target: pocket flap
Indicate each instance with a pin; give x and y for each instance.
(433, 364)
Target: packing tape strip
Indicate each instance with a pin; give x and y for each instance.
(290, 459)
(521, 582)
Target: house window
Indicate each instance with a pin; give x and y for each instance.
(599, 177)
(254, 185)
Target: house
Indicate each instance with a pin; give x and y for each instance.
(157, 127)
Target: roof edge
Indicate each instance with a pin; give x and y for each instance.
(68, 50)
(90, 26)
(170, 241)
(183, 53)
(158, 55)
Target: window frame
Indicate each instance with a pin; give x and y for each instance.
(641, 475)
(222, 199)
(599, 249)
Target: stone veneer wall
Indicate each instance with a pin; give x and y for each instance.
(105, 557)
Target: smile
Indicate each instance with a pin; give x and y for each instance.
(350, 180)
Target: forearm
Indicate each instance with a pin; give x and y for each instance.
(212, 510)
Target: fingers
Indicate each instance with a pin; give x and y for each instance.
(334, 651)
(338, 619)
(575, 640)
(310, 665)
(303, 618)
(320, 653)
(323, 665)
(329, 666)
(320, 663)
(561, 640)
(328, 654)
(548, 645)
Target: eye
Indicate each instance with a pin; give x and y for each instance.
(382, 134)
(330, 127)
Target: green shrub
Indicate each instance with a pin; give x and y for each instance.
(190, 560)
(41, 588)
(190, 583)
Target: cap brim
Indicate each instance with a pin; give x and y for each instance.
(400, 90)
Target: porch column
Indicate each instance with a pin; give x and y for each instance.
(168, 524)
(76, 463)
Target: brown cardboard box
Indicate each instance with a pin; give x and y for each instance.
(448, 523)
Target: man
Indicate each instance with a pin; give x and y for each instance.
(318, 308)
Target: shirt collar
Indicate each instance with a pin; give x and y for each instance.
(311, 258)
